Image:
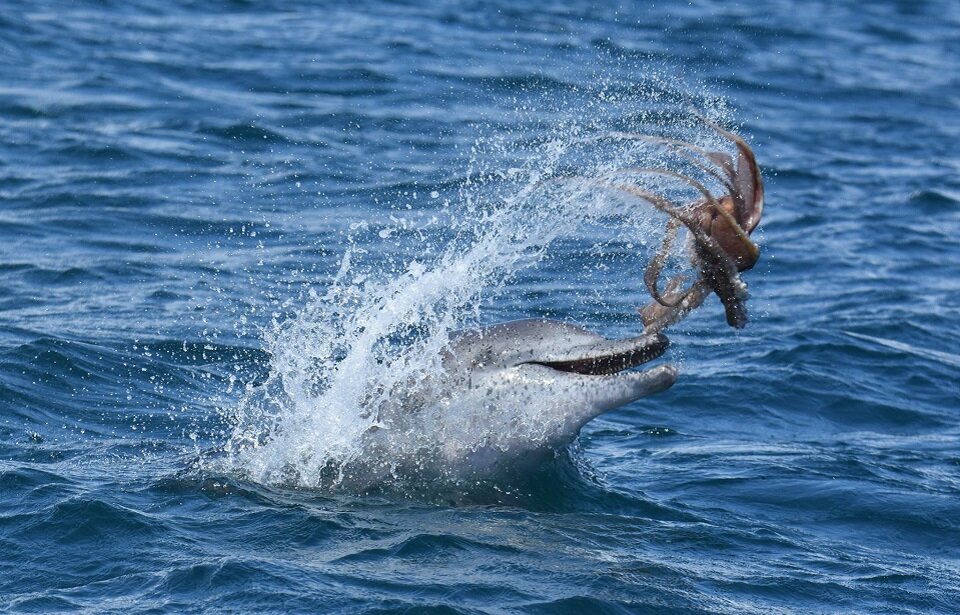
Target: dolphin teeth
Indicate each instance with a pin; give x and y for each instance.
(613, 363)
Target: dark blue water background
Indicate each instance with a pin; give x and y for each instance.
(174, 177)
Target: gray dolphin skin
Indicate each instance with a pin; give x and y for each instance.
(539, 357)
(510, 396)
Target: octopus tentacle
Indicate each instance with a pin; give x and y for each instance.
(651, 274)
(683, 149)
(747, 181)
(656, 317)
(733, 182)
(719, 229)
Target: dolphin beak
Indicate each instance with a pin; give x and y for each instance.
(607, 357)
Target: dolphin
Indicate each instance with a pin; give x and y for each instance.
(507, 397)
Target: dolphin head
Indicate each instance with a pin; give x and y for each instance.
(555, 372)
(508, 398)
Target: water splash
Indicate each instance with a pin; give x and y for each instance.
(373, 339)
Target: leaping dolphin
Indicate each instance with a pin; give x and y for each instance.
(510, 395)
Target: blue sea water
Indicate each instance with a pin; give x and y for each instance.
(181, 181)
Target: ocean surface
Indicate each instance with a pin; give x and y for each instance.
(220, 222)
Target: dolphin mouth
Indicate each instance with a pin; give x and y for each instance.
(647, 349)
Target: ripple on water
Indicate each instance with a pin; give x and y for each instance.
(174, 180)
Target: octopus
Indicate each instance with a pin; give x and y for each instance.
(718, 228)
